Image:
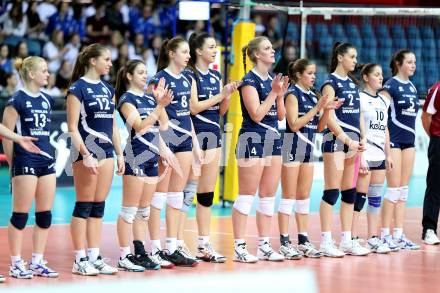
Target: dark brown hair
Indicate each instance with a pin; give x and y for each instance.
(297, 66)
(341, 49)
(397, 60)
(168, 45)
(122, 81)
(83, 60)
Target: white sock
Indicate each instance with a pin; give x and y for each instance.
(171, 245)
(397, 233)
(346, 236)
(37, 258)
(80, 254)
(326, 236)
(263, 240)
(155, 246)
(124, 251)
(15, 258)
(384, 232)
(238, 241)
(180, 242)
(93, 254)
(202, 240)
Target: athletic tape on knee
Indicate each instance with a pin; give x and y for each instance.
(286, 206)
(128, 214)
(404, 193)
(19, 220)
(158, 200)
(330, 196)
(82, 209)
(349, 195)
(243, 203)
(175, 200)
(392, 194)
(188, 199)
(97, 209)
(360, 201)
(205, 199)
(43, 219)
(266, 205)
(143, 214)
(302, 206)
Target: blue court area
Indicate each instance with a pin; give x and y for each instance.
(65, 199)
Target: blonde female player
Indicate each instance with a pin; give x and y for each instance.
(305, 116)
(180, 138)
(33, 174)
(95, 135)
(401, 124)
(141, 114)
(258, 149)
(344, 134)
(376, 157)
(209, 101)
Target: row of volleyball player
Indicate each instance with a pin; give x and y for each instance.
(188, 98)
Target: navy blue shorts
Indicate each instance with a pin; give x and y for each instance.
(146, 169)
(402, 146)
(376, 165)
(38, 171)
(257, 145)
(209, 139)
(182, 146)
(295, 150)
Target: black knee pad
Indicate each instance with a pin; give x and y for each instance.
(348, 196)
(19, 220)
(359, 203)
(43, 219)
(205, 199)
(98, 209)
(330, 196)
(82, 209)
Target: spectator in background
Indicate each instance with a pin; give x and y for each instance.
(62, 20)
(51, 89)
(145, 25)
(115, 40)
(36, 26)
(21, 50)
(115, 18)
(289, 55)
(16, 22)
(259, 26)
(197, 27)
(134, 14)
(156, 44)
(136, 49)
(46, 9)
(73, 47)
(63, 76)
(167, 15)
(150, 63)
(274, 34)
(97, 28)
(120, 62)
(80, 21)
(10, 87)
(54, 51)
(6, 64)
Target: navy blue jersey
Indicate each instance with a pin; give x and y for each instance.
(306, 101)
(97, 110)
(178, 109)
(263, 87)
(403, 110)
(208, 85)
(138, 144)
(34, 119)
(348, 115)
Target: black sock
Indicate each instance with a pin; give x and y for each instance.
(284, 239)
(139, 248)
(302, 239)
